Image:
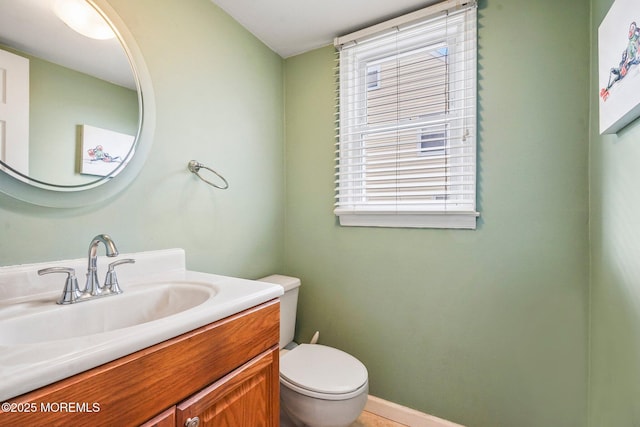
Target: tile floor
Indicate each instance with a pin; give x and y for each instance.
(367, 419)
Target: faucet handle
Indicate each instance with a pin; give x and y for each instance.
(111, 279)
(71, 293)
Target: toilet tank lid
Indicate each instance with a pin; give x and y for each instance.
(323, 369)
(287, 282)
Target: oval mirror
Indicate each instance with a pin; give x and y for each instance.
(71, 118)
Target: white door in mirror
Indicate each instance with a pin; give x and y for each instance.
(14, 111)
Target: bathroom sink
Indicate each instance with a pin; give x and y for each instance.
(40, 321)
(42, 342)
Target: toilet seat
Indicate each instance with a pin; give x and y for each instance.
(322, 372)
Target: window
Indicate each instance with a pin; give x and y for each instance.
(373, 77)
(432, 140)
(406, 151)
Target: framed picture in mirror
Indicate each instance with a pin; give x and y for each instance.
(104, 150)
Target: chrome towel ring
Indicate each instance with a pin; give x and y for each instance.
(195, 167)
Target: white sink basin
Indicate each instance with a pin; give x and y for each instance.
(41, 321)
(42, 342)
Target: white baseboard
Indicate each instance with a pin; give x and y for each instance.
(403, 415)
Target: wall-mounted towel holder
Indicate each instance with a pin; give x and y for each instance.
(195, 167)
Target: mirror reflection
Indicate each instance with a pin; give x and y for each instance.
(71, 110)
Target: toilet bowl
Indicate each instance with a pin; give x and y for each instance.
(320, 386)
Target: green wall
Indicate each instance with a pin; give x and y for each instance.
(219, 100)
(60, 100)
(615, 263)
(486, 327)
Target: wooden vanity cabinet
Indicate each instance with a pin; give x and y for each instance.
(225, 373)
(165, 419)
(245, 397)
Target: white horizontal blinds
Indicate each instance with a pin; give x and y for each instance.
(406, 120)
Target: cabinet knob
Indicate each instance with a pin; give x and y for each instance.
(192, 422)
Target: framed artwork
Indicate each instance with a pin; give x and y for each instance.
(619, 66)
(103, 150)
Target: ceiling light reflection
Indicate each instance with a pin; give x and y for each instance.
(83, 18)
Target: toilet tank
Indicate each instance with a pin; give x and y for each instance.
(288, 305)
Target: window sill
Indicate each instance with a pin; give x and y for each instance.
(448, 220)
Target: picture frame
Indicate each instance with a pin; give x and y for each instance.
(104, 150)
(619, 66)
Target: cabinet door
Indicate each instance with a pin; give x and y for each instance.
(247, 397)
(165, 419)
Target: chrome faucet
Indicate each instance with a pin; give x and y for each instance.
(93, 287)
(72, 294)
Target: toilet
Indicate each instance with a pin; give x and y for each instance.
(320, 386)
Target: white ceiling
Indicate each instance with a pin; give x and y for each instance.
(32, 27)
(290, 27)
